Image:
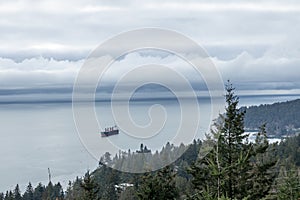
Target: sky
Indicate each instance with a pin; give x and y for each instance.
(255, 43)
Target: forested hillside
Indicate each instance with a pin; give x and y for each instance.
(280, 118)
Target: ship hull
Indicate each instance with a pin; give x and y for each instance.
(109, 133)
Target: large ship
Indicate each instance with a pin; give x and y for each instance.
(110, 131)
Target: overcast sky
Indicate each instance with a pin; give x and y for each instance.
(253, 43)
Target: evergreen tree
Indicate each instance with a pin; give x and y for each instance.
(28, 194)
(69, 191)
(128, 194)
(48, 194)
(161, 185)
(111, 180)
(58, 192)
(38, 192)
(9, 195)
(75, 190)
(288, 184)
(228, 169)
(89, 186)
(263, 164)
(17, 193)
(1, 196)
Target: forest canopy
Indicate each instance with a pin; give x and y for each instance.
(280, 118)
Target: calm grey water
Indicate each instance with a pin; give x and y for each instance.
(37, 136)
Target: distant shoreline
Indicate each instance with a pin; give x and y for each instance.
(133, 99)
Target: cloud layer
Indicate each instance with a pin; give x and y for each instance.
(247, 72)
(255, 44)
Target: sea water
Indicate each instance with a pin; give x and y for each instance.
(37, 136)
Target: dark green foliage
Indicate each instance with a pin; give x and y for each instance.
(74, 190)
(106, 179)
(111, 180)
(159, 185)
(38, 192)
(58, 192)
(128, 194)
(233, 153)
(9, 195)
(89, 186)
(48, 194)
(53, 192)
(17, 193)
(280, 118)
(233, 169)
(288, 183)
(289, 151)
(191, 153)
(262, 164)
(28, 194)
